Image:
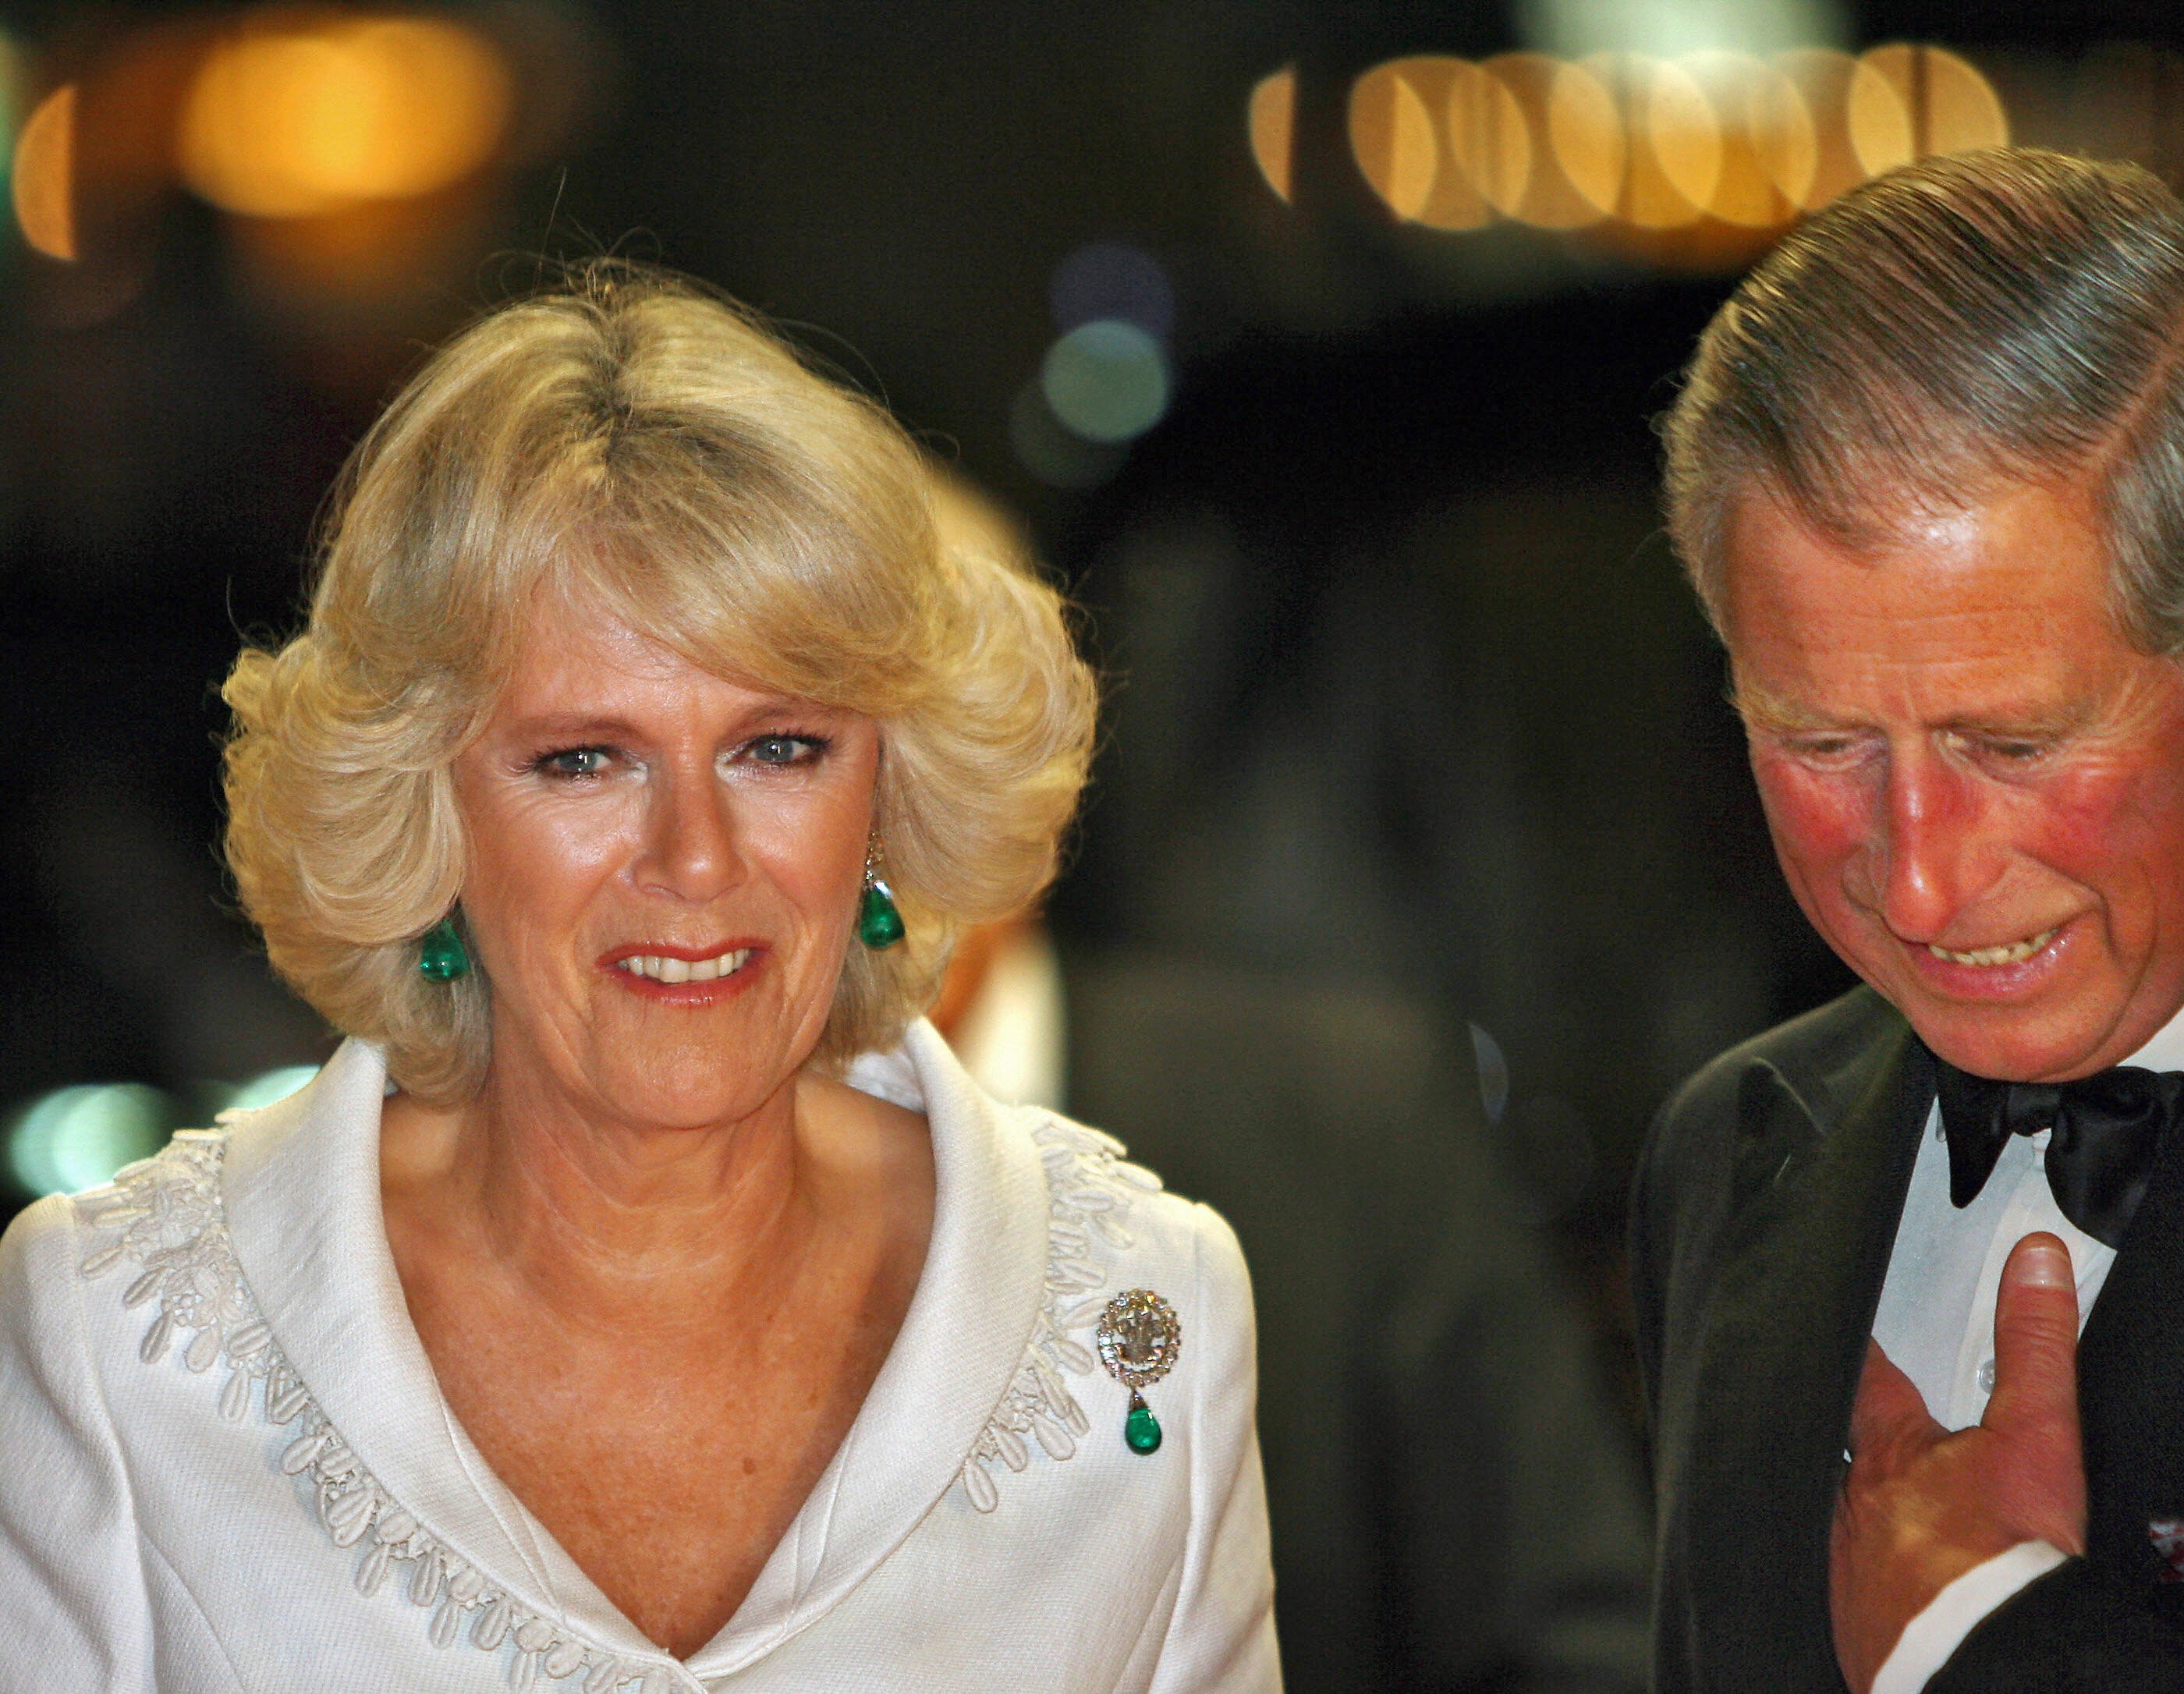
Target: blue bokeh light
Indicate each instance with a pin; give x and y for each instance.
(76, 1137)
(1106, 381)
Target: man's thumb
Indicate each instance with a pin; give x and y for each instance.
(2035, 1338)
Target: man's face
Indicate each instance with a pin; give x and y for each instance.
(1974, 783)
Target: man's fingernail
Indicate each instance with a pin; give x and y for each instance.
(2045, 1264)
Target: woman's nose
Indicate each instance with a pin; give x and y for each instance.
(691, 850)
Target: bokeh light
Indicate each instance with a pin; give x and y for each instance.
(1824, 80)
(1587, 136)
(1907, 101)
(1696, 159)
(1051, 452)
(297, 121)
(1552, 200)
(1766, 139)
(1111, 279)
(1682, 134)
(1434, 135)
(1394, 138)
(1488, 144)
(44, 176)
(1106, 381)
(264, 1090)
(1273, 127)
(76, 1137)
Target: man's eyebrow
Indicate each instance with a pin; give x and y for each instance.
(1762, 710)
(2052, 724)
(1775, 715)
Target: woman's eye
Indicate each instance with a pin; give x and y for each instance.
(785, 749)
(575, 761)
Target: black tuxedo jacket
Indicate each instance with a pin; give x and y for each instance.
(1765, 1208)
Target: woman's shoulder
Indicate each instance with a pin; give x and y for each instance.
(38, 1276)
(1091, 1172)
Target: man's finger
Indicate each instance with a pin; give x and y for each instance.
(2035, 1338)
(1888, 1405)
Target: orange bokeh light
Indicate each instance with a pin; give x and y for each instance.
(302, 118)
(1908, 101)
(1768, 151)
(44, 172)
(1489, 143)
(1273, 127)
(1394, 138)
(1552, 200)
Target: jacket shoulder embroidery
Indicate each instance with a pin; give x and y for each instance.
(1089, 1187)
(164, 1217)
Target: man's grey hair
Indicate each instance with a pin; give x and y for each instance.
(1967, 322)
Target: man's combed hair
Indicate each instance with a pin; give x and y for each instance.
(628, 440)
(1966, 322)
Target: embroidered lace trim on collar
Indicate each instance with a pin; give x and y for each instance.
(166, 1217)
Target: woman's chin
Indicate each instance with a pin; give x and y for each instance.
(655, 1103)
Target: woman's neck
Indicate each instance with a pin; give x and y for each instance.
(591, 1214)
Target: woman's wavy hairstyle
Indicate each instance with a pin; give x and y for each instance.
(627, 440)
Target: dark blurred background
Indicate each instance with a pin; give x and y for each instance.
(1317, 346)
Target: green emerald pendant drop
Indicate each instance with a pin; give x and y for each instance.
(440, 955)
(879, 924)
(1141, 1429)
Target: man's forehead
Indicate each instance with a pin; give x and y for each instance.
(2023, 570)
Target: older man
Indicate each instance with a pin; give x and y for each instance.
(1910, 1270)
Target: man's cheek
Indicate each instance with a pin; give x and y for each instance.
(1817, 822)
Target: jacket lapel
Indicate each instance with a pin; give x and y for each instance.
(1823, 1166)
(2130, 1385)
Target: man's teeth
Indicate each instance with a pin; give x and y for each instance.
(2014, 954)
(684, 970)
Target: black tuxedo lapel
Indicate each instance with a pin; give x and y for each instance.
(2131, 1382)
(1821, 1173)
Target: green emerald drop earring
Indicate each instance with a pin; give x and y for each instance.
(879, 922)
(440, 955)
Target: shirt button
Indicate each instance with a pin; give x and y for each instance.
(1986, 1377)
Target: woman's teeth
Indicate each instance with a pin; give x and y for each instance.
(684, 970)
(2016, 953)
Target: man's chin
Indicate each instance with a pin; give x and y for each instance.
(2010, 1044)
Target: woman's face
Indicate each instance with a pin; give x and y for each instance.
(663, 875)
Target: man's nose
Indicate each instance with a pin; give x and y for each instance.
(691, 850)
(1934, 854)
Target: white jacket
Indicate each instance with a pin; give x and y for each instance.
(225, 1465)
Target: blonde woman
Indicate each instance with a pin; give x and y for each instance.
(641, 1297)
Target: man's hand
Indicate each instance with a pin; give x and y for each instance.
(1921, 1505)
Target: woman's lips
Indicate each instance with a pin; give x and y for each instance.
(690, 976)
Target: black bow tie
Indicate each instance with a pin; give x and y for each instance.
(2106, 1127)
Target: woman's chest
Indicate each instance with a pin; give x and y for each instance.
(667, 1471)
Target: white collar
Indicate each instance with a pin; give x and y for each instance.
(302, 1198)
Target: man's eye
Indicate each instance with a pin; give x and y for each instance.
(785, 749)
(574, 761)
(1823, 747)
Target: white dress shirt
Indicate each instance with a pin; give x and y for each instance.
(226, 1466)
(1937, 1322)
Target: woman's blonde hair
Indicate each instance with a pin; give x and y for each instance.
(631, 440)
